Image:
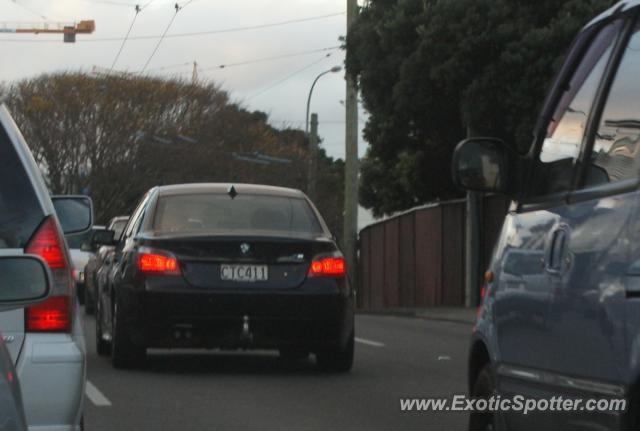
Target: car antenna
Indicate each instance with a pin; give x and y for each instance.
(232, 192)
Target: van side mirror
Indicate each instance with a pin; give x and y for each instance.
(24, 280)
(75, 213)
(483, 165)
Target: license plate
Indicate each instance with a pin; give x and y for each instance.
(245, 273)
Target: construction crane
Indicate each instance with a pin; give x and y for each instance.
(68, 30)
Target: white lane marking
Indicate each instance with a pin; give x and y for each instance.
(96, 397)
(369, 342)
(444, 358)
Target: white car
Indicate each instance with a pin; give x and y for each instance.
(45, 341)
(81, 249)
(24, 280)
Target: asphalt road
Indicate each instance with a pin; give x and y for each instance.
(395, 357)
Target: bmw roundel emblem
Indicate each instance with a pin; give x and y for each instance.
(244, 248)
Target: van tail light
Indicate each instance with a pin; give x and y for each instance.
(53, 314)
(47, 244)
(483, 292)
(488, 279)
(327, 267)
(156, 263)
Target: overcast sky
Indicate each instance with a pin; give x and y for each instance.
(263, 85)
(278, 87)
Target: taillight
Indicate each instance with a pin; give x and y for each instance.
(488, 279)
(483, 291)
(51, 315)
(47, 244)
(54, 314)
(327, 267)
(153, 263)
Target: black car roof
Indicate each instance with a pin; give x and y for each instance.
(224, 188)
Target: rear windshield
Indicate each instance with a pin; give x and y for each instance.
(218, 213)
(20, 212)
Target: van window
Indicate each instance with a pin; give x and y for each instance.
(615, 154)
(555, 167)
(20, 211)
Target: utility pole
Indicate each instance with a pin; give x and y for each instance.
(473, 221)
(312, 178)
(472, 248)
(350, 222)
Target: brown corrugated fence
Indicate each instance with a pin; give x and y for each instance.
(416, 259)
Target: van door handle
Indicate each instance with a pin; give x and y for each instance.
(557, 251)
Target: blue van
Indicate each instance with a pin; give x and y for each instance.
(567, 321)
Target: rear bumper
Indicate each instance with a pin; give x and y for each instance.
(316, 316)
(51, 370)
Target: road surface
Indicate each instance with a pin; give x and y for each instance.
(395, 357)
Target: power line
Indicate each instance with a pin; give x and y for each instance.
(191, 34)
(286, 78)
(170, 66)
(242, 63)
(276, 57)
(231, 29)
(109, 2)
(178, 9)
(184, 5)
(115, 60)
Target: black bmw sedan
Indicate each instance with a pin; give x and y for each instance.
(229, 266)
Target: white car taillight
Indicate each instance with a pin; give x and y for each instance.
(54, 314)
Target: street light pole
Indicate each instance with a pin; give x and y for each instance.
(334, 69)
(313, 139)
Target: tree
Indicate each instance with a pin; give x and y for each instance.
(115, 137)
(432, 71)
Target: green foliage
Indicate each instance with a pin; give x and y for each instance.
(119, 136)
(431, 71)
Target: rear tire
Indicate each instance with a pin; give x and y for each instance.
(337, 360)
(124, 353)
(103, 347)
(483, 387)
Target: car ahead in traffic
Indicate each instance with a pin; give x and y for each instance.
(81, 249)
(102, 257)
(575, 204)
(232, 267)
(45, 341)
(25, 280)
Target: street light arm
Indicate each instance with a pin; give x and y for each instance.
(306, 129)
